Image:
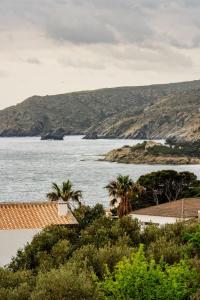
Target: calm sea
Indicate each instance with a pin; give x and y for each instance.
(28, 166)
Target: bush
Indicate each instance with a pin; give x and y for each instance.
(168, 251)
(174, 231)
(15, 286)
(67, 282)
(150, 234)
(136, 278)
(97, 259)
(193, 238)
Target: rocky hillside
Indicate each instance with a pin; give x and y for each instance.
(156, 111)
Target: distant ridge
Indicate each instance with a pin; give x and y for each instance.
(143, 112)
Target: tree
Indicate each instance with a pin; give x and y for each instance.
(138, 278)
(167, 185)
(65, 193)
(121, 191)
(106, 230)
(85, 215)
(43, 248)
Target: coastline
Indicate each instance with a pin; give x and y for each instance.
(144, 153)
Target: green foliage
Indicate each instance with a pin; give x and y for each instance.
(130, 228)
(99, 232)
(196, 296)
(169, 251)
(175, 231)
(121, 191)
(176, 149)
(166, 185)
(67, 263)
(193, 191)
(85, 215)
(139, 146)
(150, 234)
(68, 282)
(40, 252)
(105, 230)
(136, 278)
(185, 147)
(66, 194)
(15, 286)
(97, 259)
(193, 238)
(56, 244)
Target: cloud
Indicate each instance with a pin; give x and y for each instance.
(140, 22)
(81, 63)
(3, 73)
(33, 61)
(96, 43)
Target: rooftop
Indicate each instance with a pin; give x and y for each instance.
(32, 215)
(184, 208)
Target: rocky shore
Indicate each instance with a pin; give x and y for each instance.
(145, 153)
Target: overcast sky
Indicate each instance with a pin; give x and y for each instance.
(57, 46)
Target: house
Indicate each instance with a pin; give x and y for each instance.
(19, 222)
(169, 213)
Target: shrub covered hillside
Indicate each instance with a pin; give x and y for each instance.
(106, 259)
(151, 152)
(143, 112)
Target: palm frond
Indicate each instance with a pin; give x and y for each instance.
(56, 188)
(66, 193)
(123, 189)
(67, 186)
(76, 196)
(113, 202)
(53, 196)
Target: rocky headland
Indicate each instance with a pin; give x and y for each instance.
(142, 112)
(150, 152)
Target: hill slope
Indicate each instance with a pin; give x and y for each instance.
(155, 111)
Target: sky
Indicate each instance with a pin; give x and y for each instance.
(59, 46)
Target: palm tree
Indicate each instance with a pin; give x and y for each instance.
(65, 193)
(122, 191)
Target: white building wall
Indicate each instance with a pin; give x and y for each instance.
(13, 240)
(155, 219)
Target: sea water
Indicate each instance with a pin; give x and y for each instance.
(28, 166)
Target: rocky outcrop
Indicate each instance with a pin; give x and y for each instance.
(91, 136)
(54, 135)
(148, 112)
(142, 154)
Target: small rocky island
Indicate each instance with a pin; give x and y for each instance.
(91, 136)
(150, 152)
(57, 135)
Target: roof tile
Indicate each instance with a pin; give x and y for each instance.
(32, 215)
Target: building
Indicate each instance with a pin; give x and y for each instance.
(169, 213)
(19, 222)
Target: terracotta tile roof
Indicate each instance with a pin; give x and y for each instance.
(32, 215)
(184, 208)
